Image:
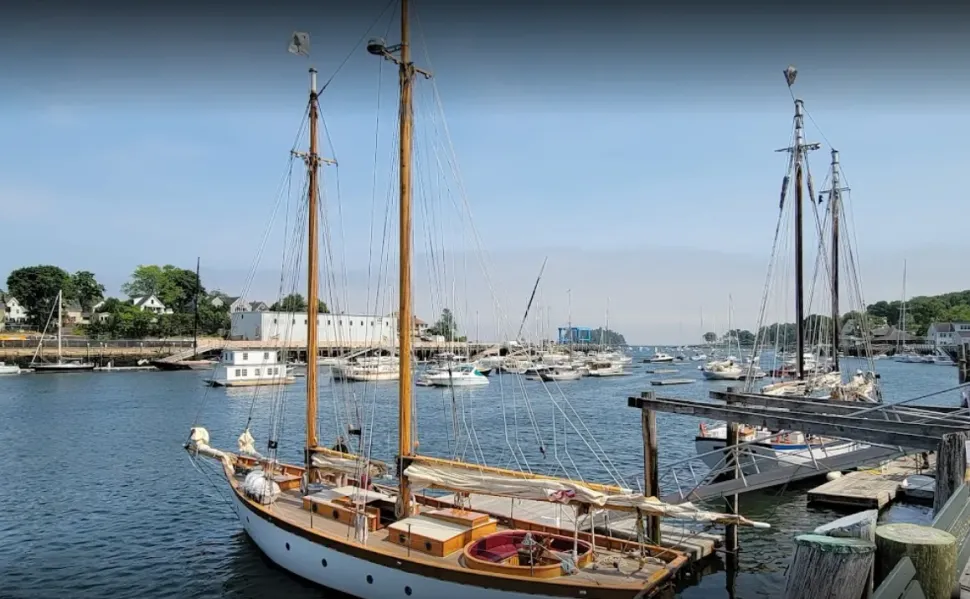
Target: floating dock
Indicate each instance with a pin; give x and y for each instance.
(697, 545)
(661, 370)
(867, 489)
(673, 382)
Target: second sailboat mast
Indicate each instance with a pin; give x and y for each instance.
(405, 317)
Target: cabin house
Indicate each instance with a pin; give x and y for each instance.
(256, 307)
(250, 367)
(945, 334)
(891, 335)
(150, 303)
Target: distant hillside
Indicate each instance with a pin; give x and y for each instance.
(923, 310)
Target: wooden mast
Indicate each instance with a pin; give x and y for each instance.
(313, 165)
(835, 206)
(799, 257)
(404, 313)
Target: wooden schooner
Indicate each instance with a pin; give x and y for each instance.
(327, 522)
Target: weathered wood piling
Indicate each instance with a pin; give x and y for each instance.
(829, 567)
(932, 551)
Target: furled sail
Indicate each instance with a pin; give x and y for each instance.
(468, 479)
(199, 444)
(346, 463)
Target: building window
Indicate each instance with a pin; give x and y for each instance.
(328, 321)
(362, 323)
(340, 323)
(372, 323)
(304, 321)
(237, 372)
(256, 372)
(245, 372)
(245, 356)
(274, 321)
(265, 356)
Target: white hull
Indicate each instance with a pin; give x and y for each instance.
(349, 574)
(459, 381)
(9, 369)
(762, 457)
(723, 375)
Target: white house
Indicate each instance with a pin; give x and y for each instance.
(947, 333)
(15, 313)
(344, 329)
(150, 303)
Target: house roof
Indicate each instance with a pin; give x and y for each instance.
(73, 306)
(941, 327)
(256, 306)
(142, 299)
(896, 335)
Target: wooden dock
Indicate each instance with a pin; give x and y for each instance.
(867, 489)
(697, 545)
(665, 382)
(660, 370)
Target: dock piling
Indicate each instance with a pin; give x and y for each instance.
(651, 472)
(951, 467)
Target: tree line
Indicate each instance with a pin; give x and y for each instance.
(36, 288)
(920, 312)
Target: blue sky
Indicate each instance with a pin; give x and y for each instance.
(647, 176)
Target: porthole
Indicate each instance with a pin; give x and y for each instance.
(323, 562)
(287, 546)
(370, 579)
(336, 515)
(427, 546)
(407, 591)
(402, 539)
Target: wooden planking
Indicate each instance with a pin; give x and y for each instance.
(917, 436)
(697, 545)
(858, 489)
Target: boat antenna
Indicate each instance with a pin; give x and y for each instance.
(406, 70)
(799, 152)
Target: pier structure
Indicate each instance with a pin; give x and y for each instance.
(889, 431)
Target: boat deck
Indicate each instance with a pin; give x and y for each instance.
(610, 568)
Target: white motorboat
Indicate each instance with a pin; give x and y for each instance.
(464, 375)
(661, 357)
(770, 448)
(561, 374)
(9, 368)
(606, 369)
(698, 358)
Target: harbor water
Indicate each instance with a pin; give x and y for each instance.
(102, 501)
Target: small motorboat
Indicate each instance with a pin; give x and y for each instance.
(919, 486)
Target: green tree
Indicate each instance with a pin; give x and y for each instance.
(322, 307)
(445, 326)
(959, 313)
(174, 286)
(744, 337)
(294, 302)
(710, 337)
(36, 288)
(87, 289)
(603, 336)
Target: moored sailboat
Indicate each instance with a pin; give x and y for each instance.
(62, 365)
(327, 522)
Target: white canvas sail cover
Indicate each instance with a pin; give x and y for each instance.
(199, 444)
(470, 480)
(336, 462)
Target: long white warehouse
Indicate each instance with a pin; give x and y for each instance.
(290, 327)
